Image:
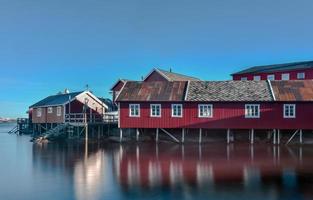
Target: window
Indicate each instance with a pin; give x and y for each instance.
(257, 78)
(59, 111)
(177, 110)
(244, 78)
(39, 112)
(271, 77)
(289, 110)
(50, 110)
(155, 110)
(285, 76)
(205, 110)
(252, 111)
(134, 110)
(301, 75)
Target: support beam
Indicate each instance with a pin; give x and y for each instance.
(175, 139)
(157, 135)
(121, 135)
(228, 136)
(183, 136)
(200, 135)
(300, 137)
(295, 133)
(137, 134)
(252, 136)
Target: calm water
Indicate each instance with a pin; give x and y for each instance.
(149, 171)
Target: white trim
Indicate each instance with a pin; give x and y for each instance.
(258, 77)
(300, 73)
(134, 104)
(172, 110)
(187, 90)
(120, 91)
(252, 117)
(244, 78)
(271, 89)
(210, 106)
(270, 75)
(156, 70)
(38, 112)
(286, 75)
(50, 110)
(160, 114)
(59, 111)
(294, 111)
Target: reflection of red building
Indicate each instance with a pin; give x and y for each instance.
(172, 167)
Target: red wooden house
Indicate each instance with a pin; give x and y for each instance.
(199, 105)
(287, 71)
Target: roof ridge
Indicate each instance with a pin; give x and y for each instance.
(176, 73)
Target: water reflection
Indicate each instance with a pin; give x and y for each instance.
(166, 170)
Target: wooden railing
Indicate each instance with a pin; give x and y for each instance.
(91, 118)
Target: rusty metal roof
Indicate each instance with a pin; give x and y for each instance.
(172, 76)
(296, 90)
(153, 91)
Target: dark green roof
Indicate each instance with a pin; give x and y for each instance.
(277, 67)
(58, 99)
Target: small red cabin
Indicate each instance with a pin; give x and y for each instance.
(287, 71)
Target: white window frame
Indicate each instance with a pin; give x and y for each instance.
(209, 108)
(39, 112)
(269, 77)
(155, 114)
(181, 112)
(257, 78)
(248, 114)
(243, 78)
(50, 110)
(59, 111)
(285, 76)
(135, 106)
(300, 73)
(290, 106)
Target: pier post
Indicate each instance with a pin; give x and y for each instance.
(183, 136)
(278, 136)
(157, 135)
(121, 134)
(300, 134)
(137, 134)
(228, 136)
(274, 136)
(252, 136)
(200, 135)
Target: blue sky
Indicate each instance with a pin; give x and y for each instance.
(46, 46)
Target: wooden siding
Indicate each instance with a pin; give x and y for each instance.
(225, 115)
(278, 74)
(48, 117)
(155, 76)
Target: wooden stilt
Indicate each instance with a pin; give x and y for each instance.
(278, 136)
(183, 136)
(157, 135)
(200, 135)
(301, 139)
(121, 135)
(252, 136)
(228, 136)
(137, 134)
(274, 136)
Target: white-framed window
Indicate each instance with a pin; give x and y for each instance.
(39, 112)
(155, 110)
(134, 110)
(244, 78)
(271, 77)
(59, 111)
(256, 78)
(289, 111)
(301, 75)
(285, 77)
(252, 110)
(177, 110)
(205, 110)
(50, 110)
